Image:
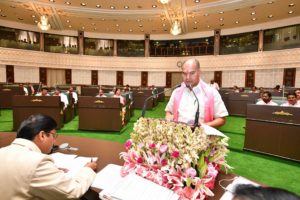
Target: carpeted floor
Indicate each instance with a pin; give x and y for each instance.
(268, 170)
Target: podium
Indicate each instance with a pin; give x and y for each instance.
(99, 113)
(24, 106)
(273, 130)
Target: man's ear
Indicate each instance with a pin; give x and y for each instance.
(41, 136)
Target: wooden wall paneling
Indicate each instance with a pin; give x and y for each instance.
(250, 78)
(144, 80)
(218, 77)
(68, 76)
(289, 76)
(120, 77)
(10, 76)
(43, 75)
(169, 79)
(94, 77)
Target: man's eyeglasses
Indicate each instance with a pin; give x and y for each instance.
(53, 133)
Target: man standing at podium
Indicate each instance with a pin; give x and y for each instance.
(27, 172)
(183, 104)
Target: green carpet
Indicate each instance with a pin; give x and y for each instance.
(267, 170)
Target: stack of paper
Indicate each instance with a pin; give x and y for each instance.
(71, 163)
(131, 187)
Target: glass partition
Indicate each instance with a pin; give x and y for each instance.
(239, 43)
(61, 44)
(191, 47)
(19, 39)
(98, 47)
(282, 38)
(131, 48)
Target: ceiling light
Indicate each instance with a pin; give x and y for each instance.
(2, 15)
(126, 7)
(221, 19)
(130, 30)
(68, 2)
(154, 6)
(221, 12)
(197, 1)
(19, 18)
(221, 24)
(291, 5)
(291, 12)
(98, 6)
(253, 13)
(52, 1)
(43, 24)
(237, 22)
(33, 16)
(70, 26)
(176, 28)
(112, 7)
(206, 14)
(164, 1)
(270, 16)
(83, 4)
(253, 19)
(270, 2)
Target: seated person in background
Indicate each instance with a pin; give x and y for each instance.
(127, 88)
(236, 89)
(266, 99)
(101, 93)
(251, 192)
(297, 92)
(277, 88)
(24, 89)
(241, 89)
(214, 84)
(44, 92)
(117, 94)
(30, 173)
(291, 101)
(254, 90)
(63, 97)
(32, 89)
(261, 89)
(73, 94)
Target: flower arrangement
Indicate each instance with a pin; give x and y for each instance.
(174, 156)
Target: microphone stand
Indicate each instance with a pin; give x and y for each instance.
(154, 95)
(196, 123)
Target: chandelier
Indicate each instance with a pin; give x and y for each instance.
(43, 23)
(174, 13)
(176, 28)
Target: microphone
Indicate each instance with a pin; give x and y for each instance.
(154, 95)
(196, 123)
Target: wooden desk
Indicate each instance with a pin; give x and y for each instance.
(6, 95)
(273, 130)
(99, 113)
(237, 102)
(24, 106)
(140, 96)
(107, 153)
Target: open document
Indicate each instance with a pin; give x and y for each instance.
(71, 163)
(130, 187)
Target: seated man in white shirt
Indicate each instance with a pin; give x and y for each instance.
(44, 92)
(101, 93)
(266, 99)
(297, 92)
(291, 101)
(63, 97)
(30, 173)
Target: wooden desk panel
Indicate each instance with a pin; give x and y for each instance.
(273, 130)
(99, 114)
(237, 102)
(6, 95)
(24, 106)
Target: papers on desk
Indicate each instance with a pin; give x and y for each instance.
(130, 187)
(71, 162)
(228, 195)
